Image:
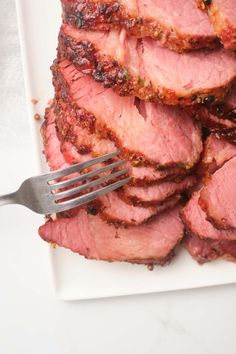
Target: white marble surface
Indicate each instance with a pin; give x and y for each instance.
(31, 320)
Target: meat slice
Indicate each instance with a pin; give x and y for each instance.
(224, 127)
(67, 122)
(178, 25)
(160, 196)
(216, 152)
(111, 207)
(129, 67)
(74, 129)
(226, 109)
(218, 197)
(223, 17)
(93, 238)
(76, 126)
(157, 193)
(213, 121)
(114, 210)
(194, 77)
(196, 222)
(51, 144)
(207, 250)
(147, 134)
(140, 175)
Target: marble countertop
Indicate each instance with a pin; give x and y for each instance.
(31, 320)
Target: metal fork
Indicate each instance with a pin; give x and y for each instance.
(46, 195)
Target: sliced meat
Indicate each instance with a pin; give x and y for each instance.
(52, 151)
(178, 25)
(196, 222)
(226, 110)
(225, 128)
(105, 55)
(216, 152)
(93, 238)
(207, 250)
(218, 197)
(198, 76)
(155, 195)
(163, 195)
(129, 67)
(158, 193)
(220, 117)
(76, 126)
(147, 134)
(212, 121)
(115, 210)
(111, 207)
(223, 17)
(141, 175)
(146, 196)
(73, 130)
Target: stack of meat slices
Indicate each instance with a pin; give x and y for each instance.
(209, 216)
(144, 77)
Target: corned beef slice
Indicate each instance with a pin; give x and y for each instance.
(212, 121)
(76, 126)
(163, 195)
(220, 117)
(226, 109)
(93, 238)
(145, 69)
(222, 15)
(111, 207)
(115, 210)
(140, 175)
(157, 135)
(225, 128)
(196, 222)
(158, 193)
(218, 197)
(209, 250)
(178, 25)
(73, 127)
(216, 152)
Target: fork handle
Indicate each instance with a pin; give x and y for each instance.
(7, 199)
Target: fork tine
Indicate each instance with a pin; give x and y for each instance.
(73, 203)
(79, 167)
(86, 176)
(97, 182)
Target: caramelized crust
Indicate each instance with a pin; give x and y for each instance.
(143, 82)
(106, 15)
(221, 15)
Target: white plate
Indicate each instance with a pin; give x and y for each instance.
(75, 277)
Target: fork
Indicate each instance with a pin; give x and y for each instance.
(46, 195)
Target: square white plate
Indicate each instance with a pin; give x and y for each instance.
(75, 277)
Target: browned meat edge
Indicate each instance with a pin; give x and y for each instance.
(85, 56)
(87, 121)
(61, 92)
(88, 14)
(220, 128)
(91, 209)
(224, 29)
(98, 207)
(223, 111)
